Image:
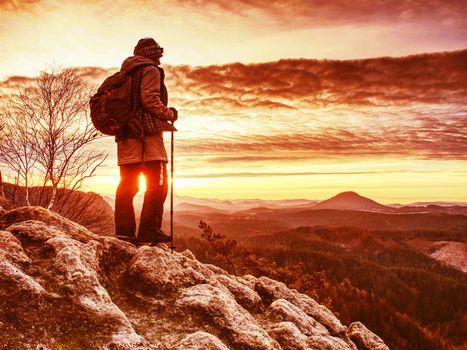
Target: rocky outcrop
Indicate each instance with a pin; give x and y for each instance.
(64, 287)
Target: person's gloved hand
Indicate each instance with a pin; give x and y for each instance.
(135, 127)
(175, 114)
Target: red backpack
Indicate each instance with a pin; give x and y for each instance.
(112, 106)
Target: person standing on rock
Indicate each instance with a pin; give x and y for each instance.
(140, 147)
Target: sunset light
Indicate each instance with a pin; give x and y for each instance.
(310, 108)
(233, 174)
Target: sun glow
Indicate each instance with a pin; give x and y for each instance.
(273, 126)
(142, 183)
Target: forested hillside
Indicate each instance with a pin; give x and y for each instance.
(411, 300)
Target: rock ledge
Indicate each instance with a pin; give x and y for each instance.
(64, 287)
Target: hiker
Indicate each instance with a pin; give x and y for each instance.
(140, 147)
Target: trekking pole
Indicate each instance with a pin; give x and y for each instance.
(172, 191)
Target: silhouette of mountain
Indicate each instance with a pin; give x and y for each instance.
(351, 201)
(343, 201)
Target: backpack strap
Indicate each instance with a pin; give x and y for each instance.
(147, 126)
(136, 104)
(163, 89)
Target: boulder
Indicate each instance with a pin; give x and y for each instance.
(364, 338)
(201, 341)
(282, 310)
(220, 308)
(329, 343)
(271, 290)
(288, 336)
(244, 295)
(154, 270)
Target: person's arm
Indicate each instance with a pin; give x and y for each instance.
(151, 94)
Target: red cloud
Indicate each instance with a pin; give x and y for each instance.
(434, 140)
(318, 12)
(15, 80)
(17, 4)
(407, 107)
(430, 78)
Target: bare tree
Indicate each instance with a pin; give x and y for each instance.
(17, 147)
(49, 132)
(2, 139)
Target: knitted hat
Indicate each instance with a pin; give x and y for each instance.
(148, 47)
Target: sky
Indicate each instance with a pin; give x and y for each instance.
(277, 99)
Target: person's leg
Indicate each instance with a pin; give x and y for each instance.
(154, 198)
(125, 224)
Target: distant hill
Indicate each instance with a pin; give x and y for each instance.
(432, 208)
(255, 216)
(348, 200)
(196, 208)
(351, 201)
(245, 204)
(233, 205)
(378, 221)
(440, 203)
(263, 221)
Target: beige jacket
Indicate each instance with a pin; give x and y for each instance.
(134, 150)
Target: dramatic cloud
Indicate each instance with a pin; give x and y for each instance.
(96, 74)
(410, 107)
(354, 121)
(99, 32)
(438, 141)
(430, 78)
(291, 12)
(319, 12)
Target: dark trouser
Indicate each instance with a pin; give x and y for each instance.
(154, 198)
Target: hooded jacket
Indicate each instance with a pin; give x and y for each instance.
(134, 150)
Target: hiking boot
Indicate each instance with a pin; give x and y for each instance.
(126, 238)
(158, 237)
